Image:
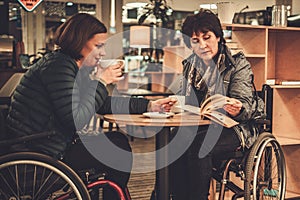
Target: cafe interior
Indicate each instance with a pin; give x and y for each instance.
(146, 34)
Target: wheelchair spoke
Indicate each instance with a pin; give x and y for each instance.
(8, 187)
(34, 176)
(50, 187)
(42, 184)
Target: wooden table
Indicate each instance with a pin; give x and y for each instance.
(143, 92)
(162, 139)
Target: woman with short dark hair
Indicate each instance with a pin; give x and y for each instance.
(209, 70)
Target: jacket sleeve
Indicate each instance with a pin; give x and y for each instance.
(240, 87)
(124, 105)
(74, 96)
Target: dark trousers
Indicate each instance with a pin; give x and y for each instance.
(80, 158)
(190, 175)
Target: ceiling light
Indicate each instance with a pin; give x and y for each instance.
(208, 6)
(69, 4)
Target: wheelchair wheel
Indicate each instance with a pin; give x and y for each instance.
(30, 176)
(265, 170)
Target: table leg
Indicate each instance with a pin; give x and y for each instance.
(162, 175)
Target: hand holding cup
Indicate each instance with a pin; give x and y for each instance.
(180, 101)
(111, 70)
(111, 62)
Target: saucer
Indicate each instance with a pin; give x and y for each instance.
(158, 115)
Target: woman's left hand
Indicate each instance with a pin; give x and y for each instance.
(234, 108)
(162, 105)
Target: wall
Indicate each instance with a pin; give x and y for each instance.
(4, 17)
(114, 43)
(296, 7)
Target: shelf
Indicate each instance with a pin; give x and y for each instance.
(292, 156)
(285, 122)
(283, 141)
(286, 86)
(244, 26)
(292, 195)
(272, 28)
(252, 55)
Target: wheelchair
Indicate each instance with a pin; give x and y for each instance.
(261, 168)
(31, 175)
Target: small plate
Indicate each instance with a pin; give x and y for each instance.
(158, 115)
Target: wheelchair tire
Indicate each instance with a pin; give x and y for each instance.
(265, 170)
(28, 175)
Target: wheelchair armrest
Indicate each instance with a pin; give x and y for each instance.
(26, 138)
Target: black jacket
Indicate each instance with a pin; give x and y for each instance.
(55, 96)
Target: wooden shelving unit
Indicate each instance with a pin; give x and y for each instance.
(274, 55)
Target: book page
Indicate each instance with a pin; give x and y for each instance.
(190, 108)
(215, 102)
(210, 110)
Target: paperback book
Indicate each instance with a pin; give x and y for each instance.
(210, 110)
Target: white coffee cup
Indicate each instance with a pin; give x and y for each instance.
(108, 62)
(180, 102)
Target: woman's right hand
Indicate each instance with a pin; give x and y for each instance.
(111, 74)
(162, 105)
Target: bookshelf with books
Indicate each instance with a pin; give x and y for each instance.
(274, 56)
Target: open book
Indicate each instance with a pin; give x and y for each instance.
(209, 109)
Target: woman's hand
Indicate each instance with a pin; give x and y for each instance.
(233, 108)
(162, 105)
(111, 74)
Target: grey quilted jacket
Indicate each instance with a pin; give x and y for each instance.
(237, 77)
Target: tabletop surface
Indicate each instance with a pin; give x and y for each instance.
(181, 119)
(143, 92)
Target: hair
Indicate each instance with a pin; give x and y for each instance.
(204, 21)
(72, 35)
